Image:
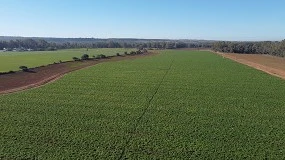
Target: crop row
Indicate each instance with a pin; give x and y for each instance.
(178, 105)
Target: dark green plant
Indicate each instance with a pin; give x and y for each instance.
(101, 56)
(75, 59)
(24, 68)
(85, 57)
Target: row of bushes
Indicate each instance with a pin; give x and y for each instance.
(9, 72)
(102, 56)
(136, 52)
(84, 57)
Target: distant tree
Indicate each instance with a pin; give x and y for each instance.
(281, 48)
(144, 50)
(111, 44)
(169, 45)
(50, 49)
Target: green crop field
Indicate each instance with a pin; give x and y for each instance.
(176, 105)
(12, 60)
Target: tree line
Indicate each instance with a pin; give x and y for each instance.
(44, 45)
(275, 48)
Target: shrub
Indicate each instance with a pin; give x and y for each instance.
(11, 72)
(126, 53)
(118, 54)
(85, 57)
(101, 56)
(24, 68)
(139, 52)
(75, 59)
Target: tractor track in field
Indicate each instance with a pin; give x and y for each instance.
(135, 127)
(39, 76)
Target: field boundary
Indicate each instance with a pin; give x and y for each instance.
(269, 70)
(280, 73)
(21, 81)
(34, 85)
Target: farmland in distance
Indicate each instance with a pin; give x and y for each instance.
(12, 60)
(178, 105)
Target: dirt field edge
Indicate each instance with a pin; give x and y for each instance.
(36, 80)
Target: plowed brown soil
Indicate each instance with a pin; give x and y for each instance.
(270, 64)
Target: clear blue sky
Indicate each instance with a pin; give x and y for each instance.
(172, 19)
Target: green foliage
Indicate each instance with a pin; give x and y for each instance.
(85, 57)
(50, 49)
(101, 56)
(177, 105)
(136, 52)
(11, 60)
(24, 68)
(44, 44)
(11, 72)
(267, 47)
(75, 58)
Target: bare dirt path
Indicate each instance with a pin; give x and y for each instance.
(36, 77)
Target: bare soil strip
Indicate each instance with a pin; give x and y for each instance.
(36, 77)
(269, 64)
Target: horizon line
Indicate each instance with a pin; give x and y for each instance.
(142, 38)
